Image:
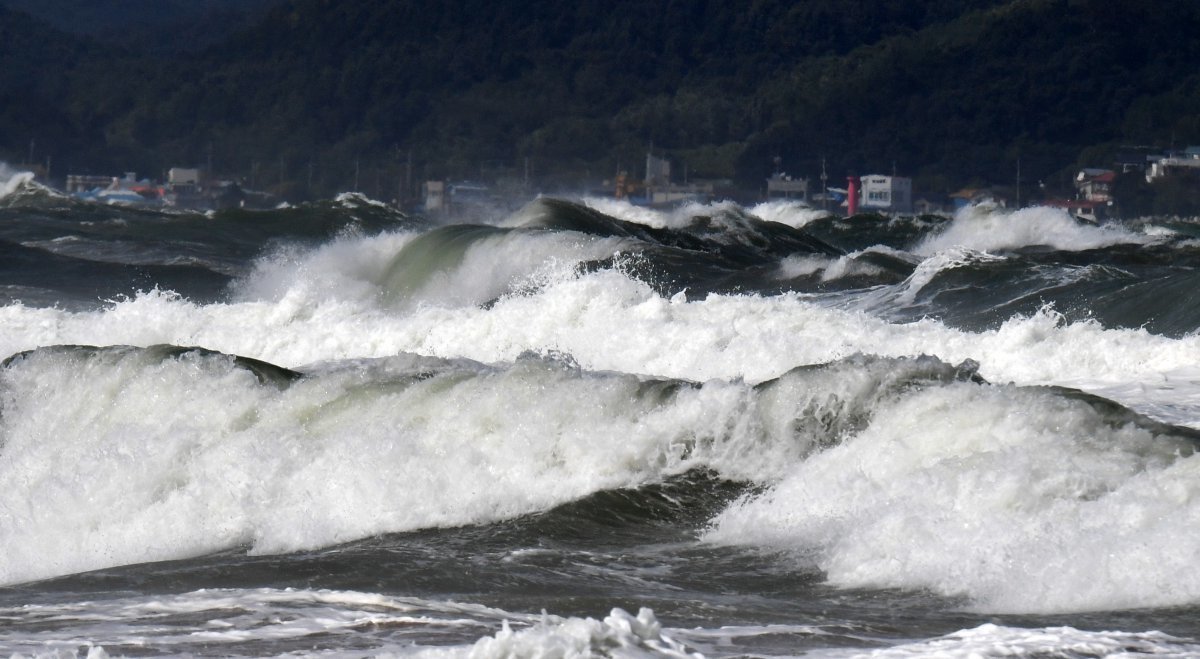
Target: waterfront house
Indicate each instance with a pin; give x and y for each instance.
(886, 194)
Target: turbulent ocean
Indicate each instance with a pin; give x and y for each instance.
(588, 429)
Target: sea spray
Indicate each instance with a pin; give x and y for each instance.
(549, 422)
(990, 229)
(167, 452)
(1013, 499)
(786, 211)
(608, 322)
(991, 640)
(12, 180)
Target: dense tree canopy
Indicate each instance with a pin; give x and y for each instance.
(321, 92)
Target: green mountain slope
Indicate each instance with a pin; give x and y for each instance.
(320, 91)
(146, 25)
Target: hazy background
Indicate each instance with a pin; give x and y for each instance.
(308, 97)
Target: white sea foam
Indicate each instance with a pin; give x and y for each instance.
(674, 218)
(803, 265)
(320, 463)
(245, 464)
(356, 269)
(619, 635)
(12, 180)
(138, 458)
(832, 269)
(353, 200)
(349, 268)
(790, 212)
(987, 641)
(240, 622)
(954, 257)
(988, 229)
(623, 210)
(307, 311)
(272, 622)
(1017, 500)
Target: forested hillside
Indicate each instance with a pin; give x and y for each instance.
(147, 25)
(320, 91)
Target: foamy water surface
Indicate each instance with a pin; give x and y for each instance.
(423, 380)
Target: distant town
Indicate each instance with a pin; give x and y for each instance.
(1140, 181)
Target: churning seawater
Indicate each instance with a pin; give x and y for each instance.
(590, 429)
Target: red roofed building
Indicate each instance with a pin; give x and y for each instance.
(1095, 184)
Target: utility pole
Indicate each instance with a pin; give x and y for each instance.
(407, 179)
(824, 186)
(1018, 181)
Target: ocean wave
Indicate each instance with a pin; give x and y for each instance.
(252, 622)
(986, 229)
(1018, 500)
(18, 188)
(608, 321)
(785, 211)
(275, 622)
(162, 453)
(990, 640)
(548, 240)
(618, 635)
(875, 265)
(168, 452)
(13, 180)
(675, 409)
(280, 622)
(878, 472)
(939, 263)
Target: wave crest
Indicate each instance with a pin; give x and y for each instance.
(983, 229)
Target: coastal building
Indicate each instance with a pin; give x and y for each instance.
(978, 197)
(1083, 210)
(699, 191)
(128, 190)
(658, 172)
(783, 186)
(1093, 200)
(435, 196)
(886, 194)
(925, 206)
(1095, 184)
(461, 197)
(1135, 159)
(177, 176)
(659, 189)
(1185, 163)
(77, 183)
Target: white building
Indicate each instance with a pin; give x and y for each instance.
(782, 186)
(1184, 164)
(886, 194)
(183, 176)
(658, 172)
(435, 196)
